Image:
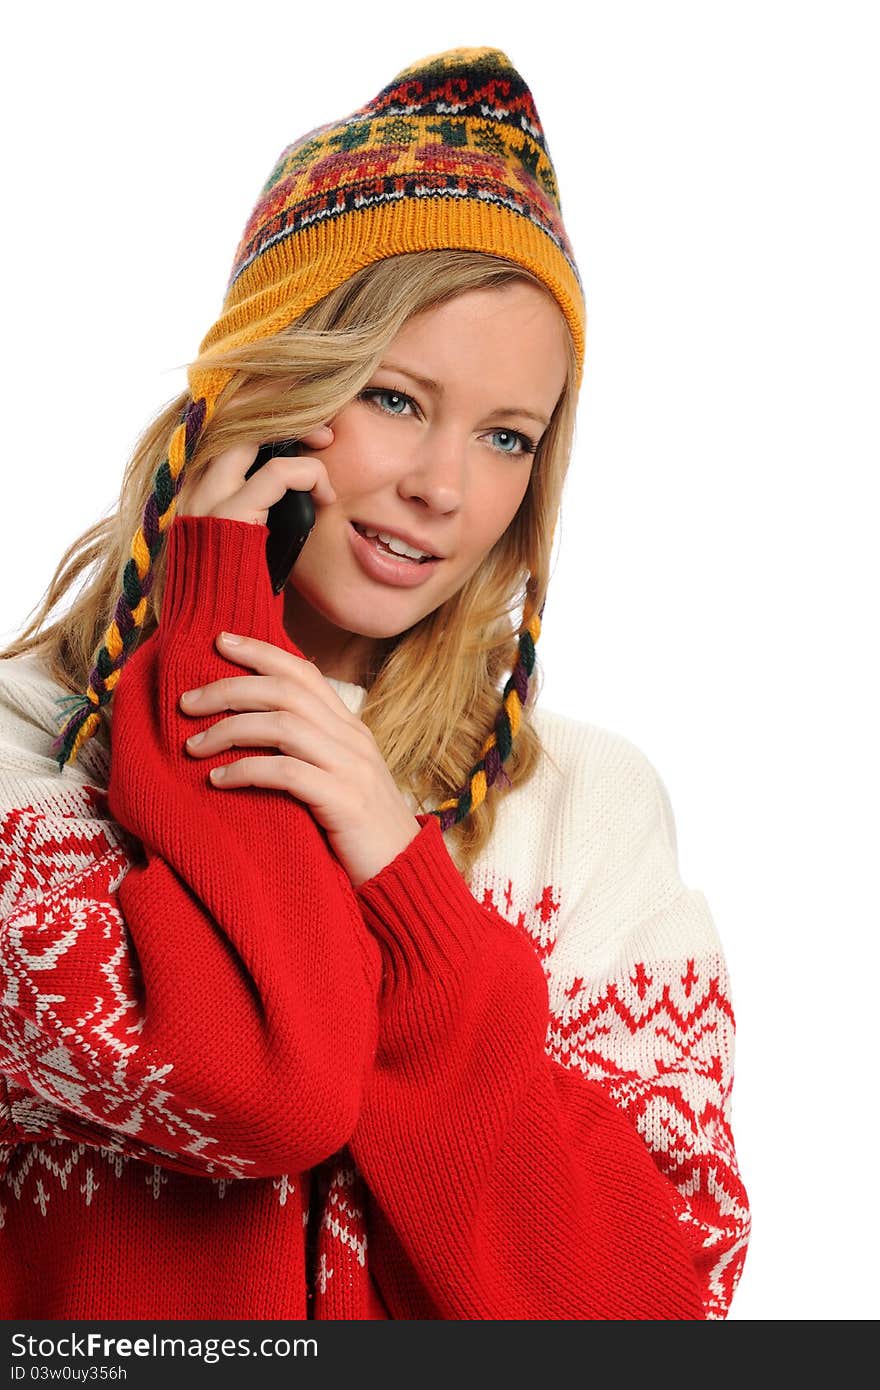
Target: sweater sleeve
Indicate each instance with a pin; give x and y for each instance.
(546, 1132)
(185, 974)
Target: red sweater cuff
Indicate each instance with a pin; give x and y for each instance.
(421, 910)
(237, 594)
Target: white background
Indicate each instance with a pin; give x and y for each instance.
(714, 596)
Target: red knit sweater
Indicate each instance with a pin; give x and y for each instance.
(207, 1034)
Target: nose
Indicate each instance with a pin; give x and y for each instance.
(436, 471)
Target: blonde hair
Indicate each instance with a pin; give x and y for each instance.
(434, 691)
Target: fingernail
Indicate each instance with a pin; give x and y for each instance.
(189, 696)
(194, 739)
(232, 639)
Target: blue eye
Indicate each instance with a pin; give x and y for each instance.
(372, 394)
(528, 446)
(384, 391)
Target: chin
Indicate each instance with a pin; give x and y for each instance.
(346, 618)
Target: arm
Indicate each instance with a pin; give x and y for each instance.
(545, 1158)
(207, 1000)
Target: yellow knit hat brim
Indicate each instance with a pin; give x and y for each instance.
(301, 268)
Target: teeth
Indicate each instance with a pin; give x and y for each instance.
(395, 543)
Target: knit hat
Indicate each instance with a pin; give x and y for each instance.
(451, 153)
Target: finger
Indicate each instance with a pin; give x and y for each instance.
(271, 660)
(283, 472)
(218, 480)
(291, 736)
(258, 693)
(319, 437)
(299, 779)
(265, 729)
(227, 470)
(270, 695)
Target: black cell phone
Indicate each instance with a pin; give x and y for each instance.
(290, 520)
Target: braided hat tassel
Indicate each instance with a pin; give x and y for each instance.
(82, 713)
(497, 748)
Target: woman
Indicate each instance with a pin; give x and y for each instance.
(409, 1014)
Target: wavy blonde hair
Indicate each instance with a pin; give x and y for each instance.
(429, 717)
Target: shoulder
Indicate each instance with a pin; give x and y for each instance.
(26, 690)
(584, 854)
(626, 897)
(55, 826)
(594, 804)
(613, 791)
(30, 717)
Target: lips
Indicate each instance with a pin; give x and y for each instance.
(386, 569)
(360, 527)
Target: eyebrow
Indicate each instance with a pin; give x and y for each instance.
(434, 386)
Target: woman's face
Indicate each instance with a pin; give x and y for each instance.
(447, 467)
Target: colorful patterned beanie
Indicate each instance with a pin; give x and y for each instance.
(451, 153)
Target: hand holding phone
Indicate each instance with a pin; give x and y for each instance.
(290, 517)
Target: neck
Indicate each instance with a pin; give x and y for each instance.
(340, 655)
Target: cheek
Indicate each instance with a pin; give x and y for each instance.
(488, 518)
(354, 459)
(495, 508)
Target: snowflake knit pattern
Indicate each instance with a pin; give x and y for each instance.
(233, 1086)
